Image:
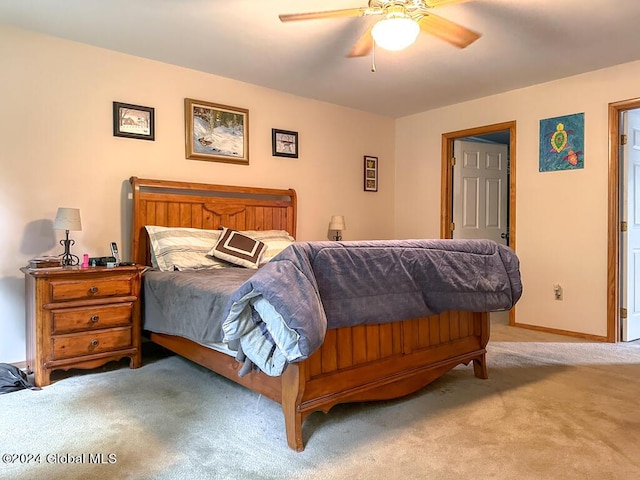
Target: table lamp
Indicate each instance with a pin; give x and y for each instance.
(337, 224)
(68, 219)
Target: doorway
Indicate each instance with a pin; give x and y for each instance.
(620, 278)
(449, 140)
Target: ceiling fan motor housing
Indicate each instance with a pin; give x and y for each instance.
(400, 7)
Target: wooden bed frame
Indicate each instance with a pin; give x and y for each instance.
(362, 363)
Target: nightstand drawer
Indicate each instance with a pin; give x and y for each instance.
(62, 290)
(74, 319)
(93, 342)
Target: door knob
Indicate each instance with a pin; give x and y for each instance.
(504, 235)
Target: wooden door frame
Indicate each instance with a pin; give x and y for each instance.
(446, 198)
(613, 249)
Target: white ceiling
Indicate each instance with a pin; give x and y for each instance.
(523, 42)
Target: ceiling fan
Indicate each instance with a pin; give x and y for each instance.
(401, 22)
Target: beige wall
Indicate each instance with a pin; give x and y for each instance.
(561, 216)
(57, 149)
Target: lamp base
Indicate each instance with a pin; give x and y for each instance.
(67, 259)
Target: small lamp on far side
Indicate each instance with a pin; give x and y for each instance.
(68, 219)
(337, 224)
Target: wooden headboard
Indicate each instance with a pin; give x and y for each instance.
(199, 205)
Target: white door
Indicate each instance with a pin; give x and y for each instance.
(480, 191)
(630, 240)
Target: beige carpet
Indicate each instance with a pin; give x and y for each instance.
(553, 408)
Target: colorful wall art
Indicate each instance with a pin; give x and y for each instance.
(562, 143)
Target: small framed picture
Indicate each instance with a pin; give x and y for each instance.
(370, 174)
(133, 121)
(284, 143)
(216, 133)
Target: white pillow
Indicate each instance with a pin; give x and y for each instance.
(237, 248)
(180, 248)
(275, 240)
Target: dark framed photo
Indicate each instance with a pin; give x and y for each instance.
(133, 121)
(216, 133)
(370, 174)
(284, 143)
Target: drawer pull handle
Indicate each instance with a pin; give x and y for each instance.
(93, 290)
(95, 318)
(94, 343)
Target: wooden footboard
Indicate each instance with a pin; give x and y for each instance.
(379, 362)
(354, 364)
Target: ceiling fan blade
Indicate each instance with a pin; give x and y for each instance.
(442, 3)
(347, 12)
(363, 46)
(447, 30)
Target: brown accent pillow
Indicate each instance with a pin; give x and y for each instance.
(275, 240)
(239, 249)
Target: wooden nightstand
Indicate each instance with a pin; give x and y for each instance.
(81, 318)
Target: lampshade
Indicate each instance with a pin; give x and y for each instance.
(67, 219)
(337, 223)
(396, 31)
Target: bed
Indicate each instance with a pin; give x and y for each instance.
(366, 362)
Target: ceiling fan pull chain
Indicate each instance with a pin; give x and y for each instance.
(373, 59)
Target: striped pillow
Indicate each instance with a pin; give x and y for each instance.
(178, 248)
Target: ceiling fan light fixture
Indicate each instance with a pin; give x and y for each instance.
(395, 32)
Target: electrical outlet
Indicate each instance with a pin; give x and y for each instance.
(557, 291)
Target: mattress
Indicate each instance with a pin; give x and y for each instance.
(190, 304)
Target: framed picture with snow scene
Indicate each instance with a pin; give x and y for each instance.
(216, 133)
(133, 121)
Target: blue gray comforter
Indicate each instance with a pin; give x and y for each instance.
(280, 314)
